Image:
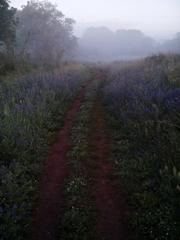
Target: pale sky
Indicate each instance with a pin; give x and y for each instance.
(158, 18)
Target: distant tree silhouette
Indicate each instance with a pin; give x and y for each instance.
(7, 25)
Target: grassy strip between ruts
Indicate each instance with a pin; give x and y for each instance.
(79, 213)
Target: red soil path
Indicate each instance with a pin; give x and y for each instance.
(55, 172)
(110, 200)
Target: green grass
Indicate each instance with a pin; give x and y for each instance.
(142, 103)
(79, 215)
(32, 110)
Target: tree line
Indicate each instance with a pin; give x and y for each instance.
(38, 33)
(101, 43)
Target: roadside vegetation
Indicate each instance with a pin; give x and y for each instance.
(142, 99)
(32, 109)
(38, 83)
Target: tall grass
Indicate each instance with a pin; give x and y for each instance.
(31, 110)
(143, 103)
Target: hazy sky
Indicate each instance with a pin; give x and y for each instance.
(160, 18)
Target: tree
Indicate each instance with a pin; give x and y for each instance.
(7, 24)
(44, 35)
(172, 46)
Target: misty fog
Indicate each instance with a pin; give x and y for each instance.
(89, 119)
(121, 29)
(102, 44)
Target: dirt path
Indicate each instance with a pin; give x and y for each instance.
(112, 210)
(110, 201)
(55, 173)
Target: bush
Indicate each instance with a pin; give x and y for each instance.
(7, 64)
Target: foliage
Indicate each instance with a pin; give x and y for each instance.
(37, 36)
(44, 34)
(143, 102)
(7, 64)
(31, 110)
(7, 24)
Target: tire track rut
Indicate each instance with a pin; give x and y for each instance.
(110, 200)
(55, 172)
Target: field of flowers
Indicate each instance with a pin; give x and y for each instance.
(31, 110)
(142, 99)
